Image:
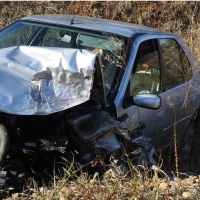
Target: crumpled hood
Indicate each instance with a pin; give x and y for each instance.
(44, 80)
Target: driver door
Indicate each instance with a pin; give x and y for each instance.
(145, 79)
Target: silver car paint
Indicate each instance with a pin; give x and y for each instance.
(98, 24)
(39, 80)
(173, 115)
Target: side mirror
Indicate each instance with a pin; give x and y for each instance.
(150, 101)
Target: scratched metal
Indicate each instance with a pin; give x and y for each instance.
(44, 80)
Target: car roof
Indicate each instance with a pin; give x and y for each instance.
(98, 24)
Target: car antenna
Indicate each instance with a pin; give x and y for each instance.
(72, 20)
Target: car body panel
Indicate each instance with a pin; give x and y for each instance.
(120, 28)
(46, 80)
(177, 104)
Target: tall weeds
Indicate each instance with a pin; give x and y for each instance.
(181, 17)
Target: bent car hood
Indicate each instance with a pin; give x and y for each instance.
(44, 80)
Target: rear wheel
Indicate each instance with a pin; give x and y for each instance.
(4, 143)
(189, 145)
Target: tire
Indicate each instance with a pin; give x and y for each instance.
(188, 144)
(4, 143)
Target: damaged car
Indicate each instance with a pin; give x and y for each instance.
(85, 88)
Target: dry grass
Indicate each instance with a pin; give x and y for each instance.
(181, 18)
(148, 185)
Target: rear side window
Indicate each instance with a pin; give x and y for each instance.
(176, 66)
(187, 69)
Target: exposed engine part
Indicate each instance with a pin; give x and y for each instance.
(37, 143)
(142, 149)
(108, 142)
(92, 125)
(47, 144)
(89, 127)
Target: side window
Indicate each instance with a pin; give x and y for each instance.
(175, 63)
(145, 77)
(187, 69)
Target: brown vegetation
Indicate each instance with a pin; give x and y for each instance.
(179, 17)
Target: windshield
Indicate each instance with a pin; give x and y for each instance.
(111, 47)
